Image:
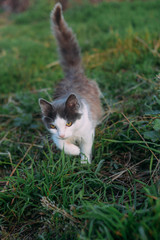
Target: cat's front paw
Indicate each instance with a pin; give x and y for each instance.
(85, 159)
(75, 150)
(72, 149)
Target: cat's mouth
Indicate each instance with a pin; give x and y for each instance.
(62, 138)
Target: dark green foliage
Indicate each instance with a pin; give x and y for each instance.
(47, 195)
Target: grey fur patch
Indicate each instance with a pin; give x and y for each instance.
(57, 14)
(68, 110)
(47, 109)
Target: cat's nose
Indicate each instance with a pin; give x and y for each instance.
(61, 135)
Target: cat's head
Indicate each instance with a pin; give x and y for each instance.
(62, 116)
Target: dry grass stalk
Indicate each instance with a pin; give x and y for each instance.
(21, 160)
(46, 203)
(153, 51)
(158, 160)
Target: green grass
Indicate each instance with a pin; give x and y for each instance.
(45, 194)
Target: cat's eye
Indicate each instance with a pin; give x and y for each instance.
(69, 124)
(52, 126)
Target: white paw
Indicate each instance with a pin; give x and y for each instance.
(85, 159)
(72, 149)
(75, 150)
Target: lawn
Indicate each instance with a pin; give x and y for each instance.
(45, 194)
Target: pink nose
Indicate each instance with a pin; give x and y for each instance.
(62, 136)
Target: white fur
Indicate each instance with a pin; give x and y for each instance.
(81, 132)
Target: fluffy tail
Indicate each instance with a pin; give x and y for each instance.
(68, 46)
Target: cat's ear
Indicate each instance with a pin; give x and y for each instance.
(46, 107)
(72, 103)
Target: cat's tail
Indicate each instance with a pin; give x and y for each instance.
(69, 50)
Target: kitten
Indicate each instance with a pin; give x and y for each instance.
(76, 109)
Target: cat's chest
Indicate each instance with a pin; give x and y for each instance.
(75, 140)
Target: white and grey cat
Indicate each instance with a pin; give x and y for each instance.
(76, 109)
